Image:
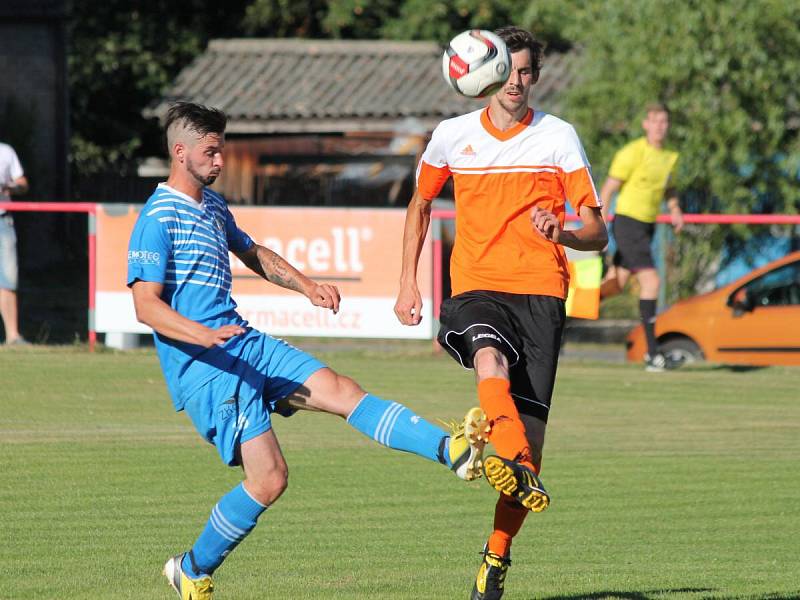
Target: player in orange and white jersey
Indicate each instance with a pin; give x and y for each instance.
(514, 169)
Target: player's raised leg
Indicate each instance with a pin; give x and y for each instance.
(517, 481)
(467, 442)
(507, 429)
(394, 425)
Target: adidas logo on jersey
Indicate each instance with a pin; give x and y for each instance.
(468, 150)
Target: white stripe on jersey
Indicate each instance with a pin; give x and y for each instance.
(176, 199)
(198, 234)
(194, 262)
(187, 251)
(171, 209)
(509, 169)
(198, 272)
(190, 241)
(186, 222)
(176, 283)
(199, 246)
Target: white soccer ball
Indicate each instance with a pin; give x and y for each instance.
(476, 63)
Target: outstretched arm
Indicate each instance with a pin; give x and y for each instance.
(275, 269)
(408, 307)
(154, 312)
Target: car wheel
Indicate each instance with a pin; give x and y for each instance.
(682, 350)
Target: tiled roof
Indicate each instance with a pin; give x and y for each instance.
(292, 85)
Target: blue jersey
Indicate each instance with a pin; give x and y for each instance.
(184, 246)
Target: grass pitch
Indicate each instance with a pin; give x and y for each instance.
(672, 485)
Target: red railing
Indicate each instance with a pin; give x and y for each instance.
(709, 219)
(437, 215)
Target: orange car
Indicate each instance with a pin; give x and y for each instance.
(754, 321)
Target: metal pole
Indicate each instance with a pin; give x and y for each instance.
(438, 292)
(662, 231)
(92, 240)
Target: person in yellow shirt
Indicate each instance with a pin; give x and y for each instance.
(642, 173)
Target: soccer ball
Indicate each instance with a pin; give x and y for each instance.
(476, 63)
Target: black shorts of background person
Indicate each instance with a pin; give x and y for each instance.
(634, 243)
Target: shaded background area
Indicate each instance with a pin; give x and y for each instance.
(84, 80)
(53, 293)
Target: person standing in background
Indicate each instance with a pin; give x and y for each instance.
(642, 172)
(12, 182)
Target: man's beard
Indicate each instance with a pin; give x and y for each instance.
(513, 107)
(207, 180)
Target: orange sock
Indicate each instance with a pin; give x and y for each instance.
(508, 432)
(508, 518)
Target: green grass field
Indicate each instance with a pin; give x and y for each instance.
(673, 485)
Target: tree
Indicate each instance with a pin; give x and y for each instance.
(120, 59)
(123, 55)
(285, 18)
(729, 71)
(405, 20)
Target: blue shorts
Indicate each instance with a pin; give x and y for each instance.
(236, 405)
(8, 253)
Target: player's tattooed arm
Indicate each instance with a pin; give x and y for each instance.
(275, 269)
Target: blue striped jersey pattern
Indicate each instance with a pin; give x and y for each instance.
(183, 245)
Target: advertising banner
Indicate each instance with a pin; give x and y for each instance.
(358, 250)
(585, 274)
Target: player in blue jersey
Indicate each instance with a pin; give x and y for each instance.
(229, 377)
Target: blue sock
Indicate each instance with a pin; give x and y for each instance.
(232, 519)
(392, 424)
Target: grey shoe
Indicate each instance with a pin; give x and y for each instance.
(659, 363)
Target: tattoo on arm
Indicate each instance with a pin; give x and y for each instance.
(276, 270)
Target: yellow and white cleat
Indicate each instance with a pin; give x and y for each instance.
(467, 441)
(187, 589)
(517, 481)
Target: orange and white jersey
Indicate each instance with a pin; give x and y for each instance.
(498, 177)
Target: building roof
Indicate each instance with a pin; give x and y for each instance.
(315, 86)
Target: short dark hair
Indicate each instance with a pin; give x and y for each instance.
(517, 39)
(200, 119)
(652, 107)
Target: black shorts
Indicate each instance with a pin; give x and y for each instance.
(526, 328)
(634, 239)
